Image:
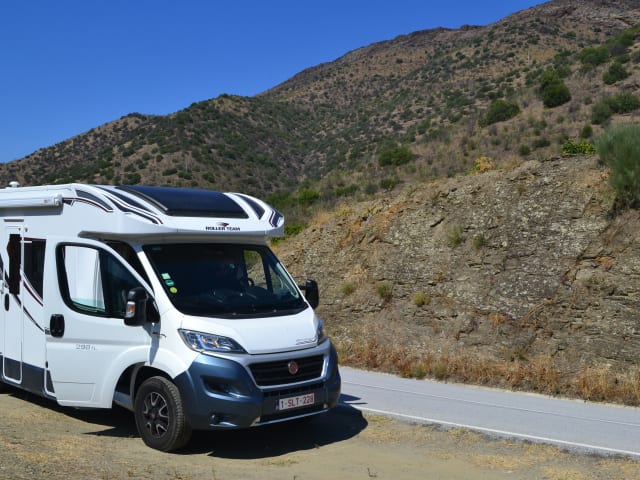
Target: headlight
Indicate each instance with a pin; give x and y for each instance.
(207, 342)
(320, 333)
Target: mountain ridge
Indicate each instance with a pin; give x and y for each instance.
(427, 90)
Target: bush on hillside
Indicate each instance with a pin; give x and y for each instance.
(615, 73)
(621, 103)
(578, 148)
(594, 56)
(553, 90)
(619, 149)
(556, 95)
(499, 111)
(587, 131)
(395, 156)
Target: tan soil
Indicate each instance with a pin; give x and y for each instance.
(41, 440)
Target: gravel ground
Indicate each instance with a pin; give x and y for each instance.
(40, 440)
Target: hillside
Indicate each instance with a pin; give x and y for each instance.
(329, 127)
(518, 277)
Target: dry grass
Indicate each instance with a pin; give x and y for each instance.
(542, 373)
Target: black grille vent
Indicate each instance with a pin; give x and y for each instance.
(278, 373)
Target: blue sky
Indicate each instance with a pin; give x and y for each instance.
(67, 66)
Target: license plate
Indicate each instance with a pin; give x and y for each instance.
(296, 402)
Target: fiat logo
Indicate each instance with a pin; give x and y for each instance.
(293, 367)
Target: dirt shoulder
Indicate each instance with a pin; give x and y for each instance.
(41, 440)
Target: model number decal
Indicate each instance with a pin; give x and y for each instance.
(85, 346)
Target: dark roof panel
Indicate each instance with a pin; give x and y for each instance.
(187, 202)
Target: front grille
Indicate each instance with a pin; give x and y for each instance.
(277, 373)
(288, 392)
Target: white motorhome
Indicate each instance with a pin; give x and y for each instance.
(167, 301)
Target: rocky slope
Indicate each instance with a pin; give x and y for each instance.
(510, 265)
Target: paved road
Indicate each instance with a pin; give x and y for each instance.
(576, 425)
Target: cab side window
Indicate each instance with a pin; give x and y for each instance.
(93, 281)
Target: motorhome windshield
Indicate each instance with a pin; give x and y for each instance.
(224, 280)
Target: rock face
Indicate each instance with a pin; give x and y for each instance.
(507, 264)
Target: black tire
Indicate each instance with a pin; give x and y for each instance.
(159, 415)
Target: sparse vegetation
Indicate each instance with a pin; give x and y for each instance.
(483, 164)
(455, 236)
(619, 149)
(347, 288)
(384, 291)
(615, 73)
(420, 299)
(621, 103)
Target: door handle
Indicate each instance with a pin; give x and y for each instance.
(56, 325)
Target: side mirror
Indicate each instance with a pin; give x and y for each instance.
(136, 309)
(311, 293)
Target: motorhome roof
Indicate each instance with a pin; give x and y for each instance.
(185, 202)
(169, 208)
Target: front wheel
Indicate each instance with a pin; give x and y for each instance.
(159, 415)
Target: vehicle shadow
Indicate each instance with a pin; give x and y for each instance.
(339, 424)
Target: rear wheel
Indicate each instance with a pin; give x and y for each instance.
(159, 415)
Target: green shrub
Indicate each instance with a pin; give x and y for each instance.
(388, 183)
(455, 236)
(623, 102)
(499, 111)
(395, 156)
(346, 190)
(420, 299)
(553, 90)
(619, 149)
(578, 148)
(384, 291)
(620, 103)
(541, 142)
(307, 196)
(587, 131)
(524, 150)
(600, 113)
(348, 288)
(293, 229)
(555, 95)
(615, 73)
(594, 56)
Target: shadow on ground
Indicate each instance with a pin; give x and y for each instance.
(339, 424)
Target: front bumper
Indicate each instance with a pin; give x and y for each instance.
(222, 393)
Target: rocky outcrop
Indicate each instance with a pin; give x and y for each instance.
(507, 264)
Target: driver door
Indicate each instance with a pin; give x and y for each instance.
(85, 291)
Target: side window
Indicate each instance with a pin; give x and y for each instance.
(93, 281)
(34, 263)
(128, 253)
(15, 260)
(256, 269)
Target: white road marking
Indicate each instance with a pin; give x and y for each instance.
(499, 432)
